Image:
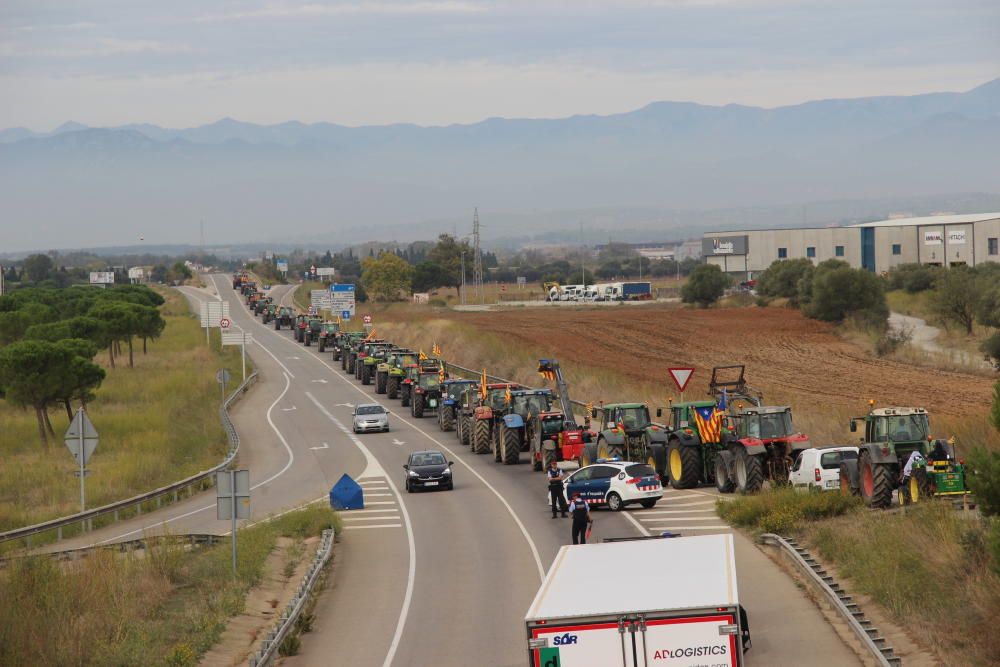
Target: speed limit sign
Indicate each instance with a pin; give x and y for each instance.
(367, 319)
(225, 323)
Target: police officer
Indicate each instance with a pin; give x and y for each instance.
(581, 519)
(555, 476)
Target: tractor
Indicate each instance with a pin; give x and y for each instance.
(895, 437)
(299, 330)
(239, 278)
(412, 373)
(260, 306)
(465, 410)
(626, 432)
(762, 444)
(311, 332)
(451, 392)
(696, 435)
(518, 421)
(270, 313)
(374, 355)
(283, 318)
(486, 418)
(556, 435)
(426, 392)
(390, 374)
(364, 350)
(342, 346)
(327, 334)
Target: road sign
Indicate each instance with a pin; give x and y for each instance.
(345, 315)
(326, 272)
(320, 299)
(367, 319)
(222, 377)
(232, 500)
(81, 425)
(681, 377)
(213, 312)
(236, 338)
(102, 277)
(225, 323)
(342, 296)
(282, 265)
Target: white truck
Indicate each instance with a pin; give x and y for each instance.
(584, 617)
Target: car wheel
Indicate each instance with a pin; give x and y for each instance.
(451, 487)
(648, 504)
(409, 489)
(615, 503)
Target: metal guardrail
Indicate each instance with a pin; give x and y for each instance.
(271, 644)
(862, 628)
(88, 516)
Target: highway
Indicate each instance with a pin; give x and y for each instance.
(438, 578)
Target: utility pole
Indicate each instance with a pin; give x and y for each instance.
(463, 278)
(477, 266)
(583, 270)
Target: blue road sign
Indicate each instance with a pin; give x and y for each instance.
(345, 315)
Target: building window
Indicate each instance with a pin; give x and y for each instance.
(782, 253)
(992, 243)
(811, 251)
(897, 249)
(839, 251)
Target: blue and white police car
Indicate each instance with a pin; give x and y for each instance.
(615, 483)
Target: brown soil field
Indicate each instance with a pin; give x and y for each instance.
(784, 352)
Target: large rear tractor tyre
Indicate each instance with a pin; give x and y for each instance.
(603, 450)
(510, 446)
(749, 472)
(845, 483)
(366, 374)
(418, 406)
(723, 482)
(548, 455)
(446, 418)
(352, 363)
(322, 345)
(392, 387)
(589, 455)
(381, 380)
(683, 466)
(495, 444)
(656, 457)
(277, 325)
(875, 482)
(481, 437)
(404, 394)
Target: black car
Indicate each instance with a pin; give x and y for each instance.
(428, 470)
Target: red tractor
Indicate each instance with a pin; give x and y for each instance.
(557, 435)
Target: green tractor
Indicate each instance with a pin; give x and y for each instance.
(411, 374)
(327, 334)
(518, 423)
(343, 345)
(696, 436)
(626, 432)
(284, 317)
(389, 372)
(269, 314)
(898, 452)
(314, 326)
(426, 392)
(375, 354)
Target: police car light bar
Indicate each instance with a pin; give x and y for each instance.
(613, 459)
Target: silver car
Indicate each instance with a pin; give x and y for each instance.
(370, 417)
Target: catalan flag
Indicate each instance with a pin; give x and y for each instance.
(422, 356)
(441, 374)
(507, 398)
(436, 351)
(483, 391)
(709, 423)
(371, 335)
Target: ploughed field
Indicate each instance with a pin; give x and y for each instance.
(788, 357)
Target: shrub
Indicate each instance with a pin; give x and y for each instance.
(913, 277)
(782, 278)
(438, 303)
(839, 291)
(705, 285)
(991, 346)
(985, 480)
(891, 340)
(784, 510)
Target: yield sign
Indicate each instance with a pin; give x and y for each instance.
(81, 424)
(681, 377)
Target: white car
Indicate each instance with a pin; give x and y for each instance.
(820, 468)
(615, 484)
(370, 417)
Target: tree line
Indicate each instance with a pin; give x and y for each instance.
(50, 336)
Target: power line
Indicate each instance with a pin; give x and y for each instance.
(477, 267)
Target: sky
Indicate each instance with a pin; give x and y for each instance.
(435, 62)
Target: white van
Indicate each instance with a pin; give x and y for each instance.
(817, 468)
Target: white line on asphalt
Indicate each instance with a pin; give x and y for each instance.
(692, 503)
(347, 513)
(377, 495)
(690, 511)
(381, 525)
(690, 528)
(371, 518)
(673, 518)
(380, 502)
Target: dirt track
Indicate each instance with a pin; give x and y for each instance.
(786, 354)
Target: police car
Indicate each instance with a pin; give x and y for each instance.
(615, 483)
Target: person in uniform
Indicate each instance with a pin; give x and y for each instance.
(555, 477)
(581, 519)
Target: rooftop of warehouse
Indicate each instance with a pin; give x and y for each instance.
(951, 219)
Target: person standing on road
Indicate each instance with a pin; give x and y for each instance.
(555, 476)
(581, 519)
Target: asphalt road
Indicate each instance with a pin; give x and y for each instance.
(438, 578)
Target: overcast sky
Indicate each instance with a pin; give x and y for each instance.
(181, 63)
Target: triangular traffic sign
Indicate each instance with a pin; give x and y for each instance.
(681, 377)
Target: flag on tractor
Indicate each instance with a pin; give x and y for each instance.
(436, 351)
(422, 356)
(709, 423)
(441, 374)
(370, 336)
(506, 395)
(723, 403)
(483, 391)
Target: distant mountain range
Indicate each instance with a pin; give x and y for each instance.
(649, 170)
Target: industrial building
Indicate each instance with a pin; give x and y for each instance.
(941, 240)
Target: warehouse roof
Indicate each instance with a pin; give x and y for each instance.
(931, 220)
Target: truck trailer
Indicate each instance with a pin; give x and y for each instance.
(585, 616)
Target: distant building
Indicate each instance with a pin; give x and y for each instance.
(658, 252)
(942, 240)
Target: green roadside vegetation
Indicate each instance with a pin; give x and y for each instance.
(158, 422)
(166, 606)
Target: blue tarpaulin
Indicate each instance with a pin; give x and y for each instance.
(347, 494)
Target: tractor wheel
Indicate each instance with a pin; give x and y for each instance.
(722, 480)
(876, 482)
(392, 387)
(359, 365)
(683, 466)
(918, 488)
(343, 361)
(366, 374)
(548, 455)
(418, 406)
(495, 444)
(351, 364)
(481, 437)
(656, 457)
(749, 472)
(404, 396)
(510, 446)
(603, 450)
(381, 379)
(446, 418)
(615, 503)
(588, 455)
(322, 345)
(277, 325)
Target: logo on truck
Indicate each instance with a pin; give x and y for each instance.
(690, 652)
(564, 639)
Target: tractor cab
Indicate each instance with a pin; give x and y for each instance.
(451, 390)
(896, 432)
(632, 418)
(530, 402)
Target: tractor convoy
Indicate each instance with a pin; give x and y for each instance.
(731, 439)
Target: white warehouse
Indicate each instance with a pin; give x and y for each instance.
(943, 240)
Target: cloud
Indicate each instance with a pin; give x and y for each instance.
(102, 47)
(377, 8)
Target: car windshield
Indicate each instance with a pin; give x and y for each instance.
(370, 410)
(531, 404)
(831, 460)
(634, 418)
(428, 381)
(427, 459)
(639, 470)
(772, 425)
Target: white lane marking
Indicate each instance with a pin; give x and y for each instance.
(369, 482)
(374, 469)
(325, 446)
(291, 456)
(371, 518)
(320, 381)
(692, 503)
(295, 358)
(376, 495)
(673, 518)
(726, 528)
(346, 513)
(381, 525)
(343, 405)
(289, 409)
(659, 512)
(398, 442)
(379, 502)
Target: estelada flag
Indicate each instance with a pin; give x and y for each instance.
(709, 423)
(436, 351)
(483, 391)
(422, 356)
(506, 395)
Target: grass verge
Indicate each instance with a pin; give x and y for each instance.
(165, 607)
(158, 422)
(785, 510)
